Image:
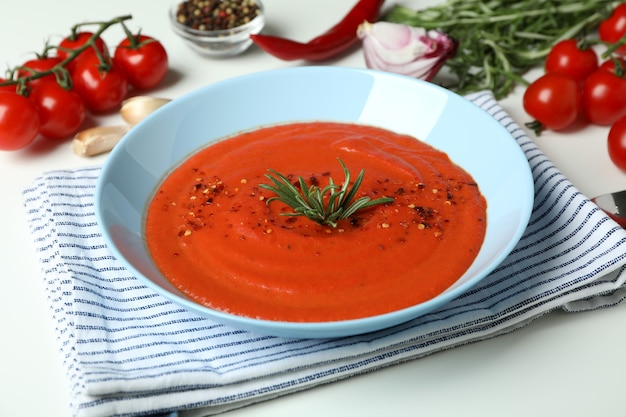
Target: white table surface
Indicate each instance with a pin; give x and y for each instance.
(560, 365)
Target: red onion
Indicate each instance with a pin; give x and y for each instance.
(404, 49)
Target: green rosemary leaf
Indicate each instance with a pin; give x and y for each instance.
(284, 190)
(325, 206)
(356, 206)
(334, 202)
(363, 203)
(357, 182)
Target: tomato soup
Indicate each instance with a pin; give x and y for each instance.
(213, 234)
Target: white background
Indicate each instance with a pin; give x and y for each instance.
(560, 365)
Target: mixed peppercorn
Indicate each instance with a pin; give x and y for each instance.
(206, 15)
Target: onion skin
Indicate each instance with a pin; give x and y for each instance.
(404, 49)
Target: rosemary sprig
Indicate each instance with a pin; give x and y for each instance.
(500, 40)
(325, 206)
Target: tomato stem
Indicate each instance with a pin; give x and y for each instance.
(535, 126)
(584, 42)
(132, 39)
(612, 47)
(63, 78)
(60, 69)
(619, 70)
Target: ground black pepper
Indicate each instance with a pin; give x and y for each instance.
(209, 15)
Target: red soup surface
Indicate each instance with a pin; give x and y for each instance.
(213, 235)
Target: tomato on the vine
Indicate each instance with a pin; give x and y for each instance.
(554, 100)
(76, 41)
(617, 143)
(143, 60)
(571, 58)
(39, 65)
(19, 122)
(604, 97)
(103, 89)
(611, 63)
(613, 28)
(61, 111)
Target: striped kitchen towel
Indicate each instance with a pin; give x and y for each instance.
(130, 352)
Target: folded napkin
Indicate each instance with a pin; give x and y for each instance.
(130, 352)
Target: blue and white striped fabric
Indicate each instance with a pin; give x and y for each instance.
(128, 351)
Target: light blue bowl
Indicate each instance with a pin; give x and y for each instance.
(471, 137)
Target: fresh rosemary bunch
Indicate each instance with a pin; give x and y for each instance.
(325, 206)
(500, 40)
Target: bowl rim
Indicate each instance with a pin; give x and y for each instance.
(328, 329)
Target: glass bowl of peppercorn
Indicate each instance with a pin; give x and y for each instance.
(217, 28)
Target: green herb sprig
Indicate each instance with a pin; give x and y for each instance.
(500, 40)
(325, 206)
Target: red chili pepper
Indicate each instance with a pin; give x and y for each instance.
(332, 42)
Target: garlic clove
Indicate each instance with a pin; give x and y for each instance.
(98, 140)
(134, 109)
(405, 49)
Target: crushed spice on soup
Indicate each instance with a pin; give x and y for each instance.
(213, 234)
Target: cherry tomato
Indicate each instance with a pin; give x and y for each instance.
(568, 57)
(19, 122)
(617, 143)
(554, 100)
(40, 65)
(143, 60)
(609, 65)
(613, 28)
(102, 89)
(61, 112)
(73, 42)
(604, 97)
